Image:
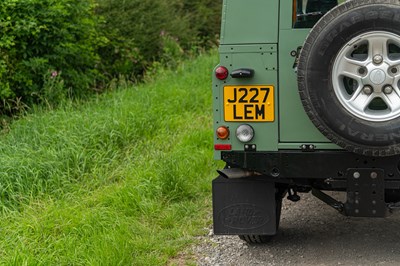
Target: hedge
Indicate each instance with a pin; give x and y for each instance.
(47, 40)
(53, 49)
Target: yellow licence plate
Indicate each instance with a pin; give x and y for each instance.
(249, 103)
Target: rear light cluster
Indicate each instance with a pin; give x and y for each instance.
(244, 133)
(221, 72)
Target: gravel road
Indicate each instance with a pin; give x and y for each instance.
(311, 233)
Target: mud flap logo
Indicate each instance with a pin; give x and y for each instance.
(243, 216)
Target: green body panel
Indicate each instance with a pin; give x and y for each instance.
(258, 34)
(317, 145)
(285, 12)
(248, 21)
(294, 124)
(262, 58)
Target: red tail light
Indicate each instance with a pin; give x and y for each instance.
(221, 73)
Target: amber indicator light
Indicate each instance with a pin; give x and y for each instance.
(223, 132)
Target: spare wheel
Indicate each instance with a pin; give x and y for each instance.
(349, 73)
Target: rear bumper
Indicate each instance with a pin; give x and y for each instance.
(310, 165)
(372, 184)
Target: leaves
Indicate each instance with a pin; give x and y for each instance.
(93, 43)
(40, 35)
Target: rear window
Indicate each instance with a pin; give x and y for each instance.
(308, 12)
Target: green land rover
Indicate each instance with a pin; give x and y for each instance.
(306, 98)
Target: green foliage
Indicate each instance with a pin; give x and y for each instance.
(122, 180)
(205, 20)
(145, 31)
(136, 30)
(92, 44)
(43, 36)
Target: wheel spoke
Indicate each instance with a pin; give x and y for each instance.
(396, 79)
(393, 63)
(350, 68)
(392, 100)
(377, 46)
(360, 100)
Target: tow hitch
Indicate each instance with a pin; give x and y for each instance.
(365, 194)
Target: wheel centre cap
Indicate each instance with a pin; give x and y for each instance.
(377, 76)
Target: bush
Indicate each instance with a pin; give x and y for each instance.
(53, 49)
(205, 20)
(136, 30)
(144, 31)
(41, 39)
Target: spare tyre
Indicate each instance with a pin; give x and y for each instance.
(349, 73)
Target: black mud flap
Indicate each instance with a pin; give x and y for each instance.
(244, 206)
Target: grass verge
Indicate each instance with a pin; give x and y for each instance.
(122, 180)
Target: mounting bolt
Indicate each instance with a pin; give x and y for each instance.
(374, 175)
(367, 89)
(388, 89)
(378, 59)
(356, 175)
(362, 70)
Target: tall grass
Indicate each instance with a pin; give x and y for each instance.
(122, 180)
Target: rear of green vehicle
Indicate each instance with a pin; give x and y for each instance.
(272, 145)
